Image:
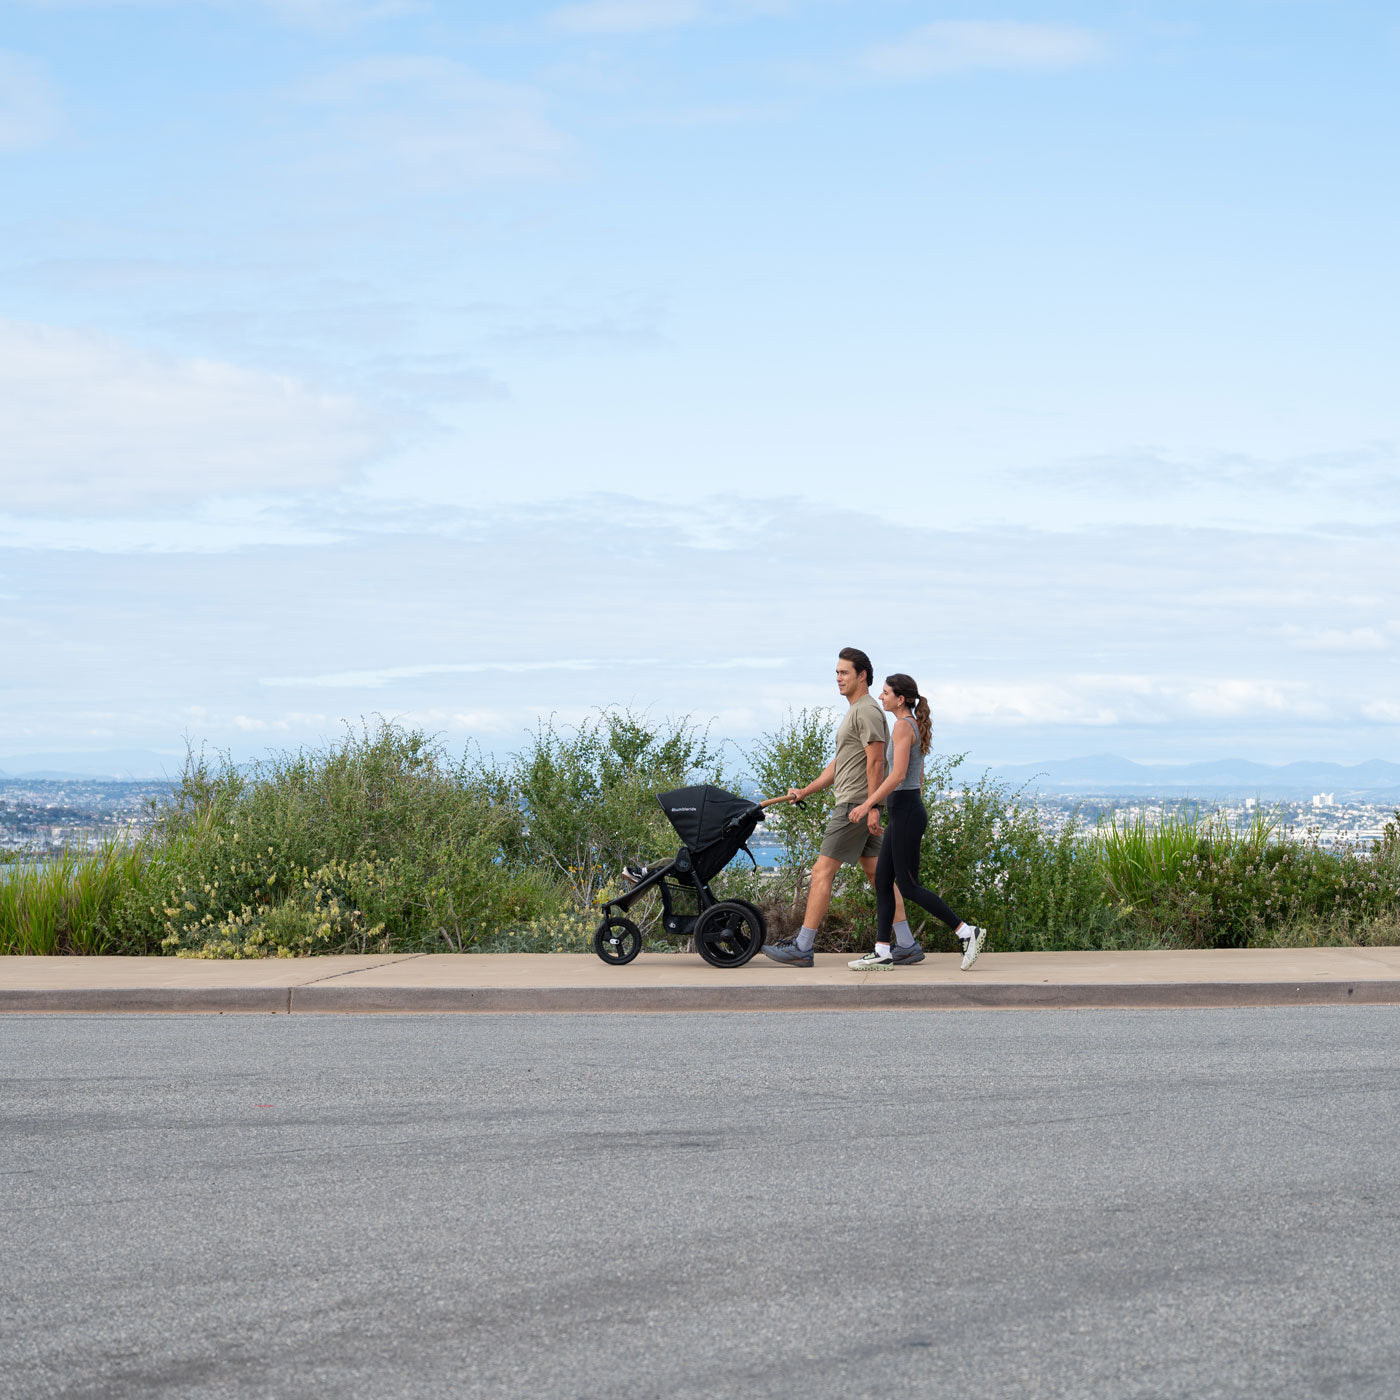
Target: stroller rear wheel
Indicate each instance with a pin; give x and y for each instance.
(729, 933)
(617, 941)
(758, 914)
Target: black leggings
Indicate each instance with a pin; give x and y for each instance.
(899, 864)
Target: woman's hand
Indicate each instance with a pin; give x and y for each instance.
(859, 814)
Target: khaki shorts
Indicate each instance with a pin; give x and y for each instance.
(847, 841)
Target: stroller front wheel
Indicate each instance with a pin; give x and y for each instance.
(617, 941)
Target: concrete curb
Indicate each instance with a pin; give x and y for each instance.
(250, 1000)
(332, 998)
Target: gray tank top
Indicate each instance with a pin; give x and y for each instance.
(914, 774)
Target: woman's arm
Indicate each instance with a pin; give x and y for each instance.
(899, 766)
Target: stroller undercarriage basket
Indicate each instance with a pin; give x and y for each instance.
(714, 826)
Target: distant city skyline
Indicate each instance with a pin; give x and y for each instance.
(1089, 774)
(54, 814)
(474, 364)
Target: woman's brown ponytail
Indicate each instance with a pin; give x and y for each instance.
(907, 688)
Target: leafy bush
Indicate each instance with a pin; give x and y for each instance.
(986, 854)
(586, 797)
(381, 842)
(792, 756)
(375, 842)
(317, 917)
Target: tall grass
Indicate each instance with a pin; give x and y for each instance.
(382, 841)
(1139, 855)
(1190, 880)
(69, 903)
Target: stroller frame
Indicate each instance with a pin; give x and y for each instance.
(726, 939)
(675, 875)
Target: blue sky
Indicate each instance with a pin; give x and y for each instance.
(467, 363)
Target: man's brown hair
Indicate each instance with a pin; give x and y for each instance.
(860, 661)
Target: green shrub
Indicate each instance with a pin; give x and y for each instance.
(318, 916)
(380, 842)
(382, 827)
(986, 854)
(566, 930)
(585, 797)
(792, 756)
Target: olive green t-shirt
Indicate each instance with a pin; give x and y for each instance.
(864, 724)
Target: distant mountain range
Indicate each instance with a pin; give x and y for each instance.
(1109, 773)
(121, 765)
(1377, 779)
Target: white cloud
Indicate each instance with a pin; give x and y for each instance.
(277, 724)
(953, 46)
(1338, 639)
(650, 16)
(624, 16)
(624, 321)
(91, 424)
(317, 14)
(210, 529)
(478, 619)
(1235, 698)
(444, 378)
(390, 675)
(28, 104)
(1367, 472)
(1109, 701)
(437, 121)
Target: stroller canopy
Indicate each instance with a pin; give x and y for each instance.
(710, 821)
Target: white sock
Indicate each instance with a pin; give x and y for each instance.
(882, 950)
(964, 931)
(903, 934)
(806, 939)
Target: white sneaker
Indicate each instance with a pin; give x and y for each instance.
(973, 946)
(871, 960)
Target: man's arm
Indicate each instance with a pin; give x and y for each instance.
(828, 776)
(874, 776)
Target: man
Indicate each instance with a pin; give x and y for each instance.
(856, 771)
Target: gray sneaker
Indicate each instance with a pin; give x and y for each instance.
(787, 952)
(906, 957)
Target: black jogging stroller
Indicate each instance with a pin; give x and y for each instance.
(714, 826)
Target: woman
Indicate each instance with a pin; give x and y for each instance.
(898, 863)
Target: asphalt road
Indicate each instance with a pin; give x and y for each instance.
(970, 1204)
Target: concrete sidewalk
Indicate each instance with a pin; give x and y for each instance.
(682, 982)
